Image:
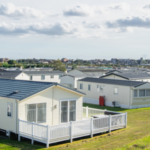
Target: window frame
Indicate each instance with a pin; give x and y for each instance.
(81, 86)
(137, 93)
(42, 76)
(11, 110)
(117, 90)
(36, 111)
(145, 93)
(68, 116)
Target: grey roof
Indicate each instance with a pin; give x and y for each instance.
(25, 88)
(113, 81)
(80, 75)
(9, 74)
(92, 70)
(130, 75)
(55, 72)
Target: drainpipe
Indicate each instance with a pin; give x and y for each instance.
(52, 103)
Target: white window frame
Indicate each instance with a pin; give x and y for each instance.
(117, 90)
(8, 103)
(137, 93)
(67, 100)
(41, 77)
(98, 88)
(36, 111)
(145, 93)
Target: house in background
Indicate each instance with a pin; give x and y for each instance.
(71, 80)
(40, 102)
(128, 76)
(45, 76)
(18, 75)
(125, 93)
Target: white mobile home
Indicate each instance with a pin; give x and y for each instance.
(39, 102)
(129, 76)
(127, 94)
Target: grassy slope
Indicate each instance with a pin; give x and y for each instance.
(138, 128)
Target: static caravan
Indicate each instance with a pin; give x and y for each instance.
(39, 102)
(125, 93)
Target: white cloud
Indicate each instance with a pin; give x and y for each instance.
(80, 10)
(139, 22)
(120, 6)
(147, 6)
(57, 29)
(12, 11)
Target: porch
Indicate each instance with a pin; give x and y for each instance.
(94, 121)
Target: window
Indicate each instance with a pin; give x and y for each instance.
(42, 77)
(148, 92)
(135, 93)
(141, 93)
(98, 88)
(9, 109)
(30, 77)
(36, 113)
(81, 86)
(89, 87)
(115, 90)
(68, 111)
(60, 76)
(101, 87)
(52, 76)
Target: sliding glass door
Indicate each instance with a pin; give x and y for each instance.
(68, 111)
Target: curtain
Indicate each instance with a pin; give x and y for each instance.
(141, 93)
(31, 112)
(41, 113)
(148, 92)
(64, 111)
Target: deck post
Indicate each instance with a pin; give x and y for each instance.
(109, 123)
(125, 119)
(87, 112)
(71, 132)
(91, 127)
(47, 145)
(32, 141)
(19, 131)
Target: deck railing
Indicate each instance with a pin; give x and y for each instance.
(72, 130)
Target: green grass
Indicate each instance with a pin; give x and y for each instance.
(135, 136)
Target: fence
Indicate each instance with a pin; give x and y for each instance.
(72, 130)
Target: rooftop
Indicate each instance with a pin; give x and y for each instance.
(113, 81)
(21, 89)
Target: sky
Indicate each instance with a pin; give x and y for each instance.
(80, 29)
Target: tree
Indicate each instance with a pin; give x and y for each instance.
(58, 65)
(11, 62)
(74, 67)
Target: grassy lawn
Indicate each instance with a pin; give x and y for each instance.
(135, 136)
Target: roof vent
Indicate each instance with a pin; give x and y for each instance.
(15, 92)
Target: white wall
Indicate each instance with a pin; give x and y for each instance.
(22, 76)
(68, 81)
(123, 97)
(7, 123)
(47, 78)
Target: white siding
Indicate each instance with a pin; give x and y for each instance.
(123, 97)
(47, 78)
(22, 76)
(7, 123)
(68, 81)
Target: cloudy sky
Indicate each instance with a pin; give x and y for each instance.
(86, 29)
